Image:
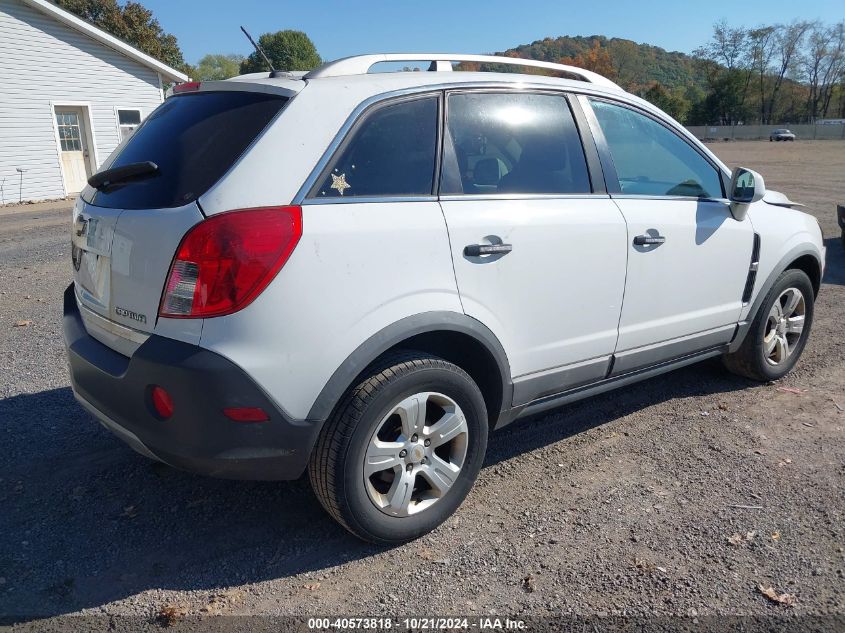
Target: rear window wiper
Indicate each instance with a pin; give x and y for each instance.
(117, 175)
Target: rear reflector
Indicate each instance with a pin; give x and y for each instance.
(246, 414)
(162, 402)
(188, 86)
(226, 261)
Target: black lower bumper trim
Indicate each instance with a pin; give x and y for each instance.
(198, 436)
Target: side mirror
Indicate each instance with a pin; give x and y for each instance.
(747, 187)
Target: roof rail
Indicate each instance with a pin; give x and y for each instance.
(361, 64)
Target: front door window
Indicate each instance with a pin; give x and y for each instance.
(650, 159)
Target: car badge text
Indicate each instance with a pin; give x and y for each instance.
(129, 314)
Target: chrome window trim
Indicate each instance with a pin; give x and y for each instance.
(461, 197)
(366, 199)
(522, 196)
(644, 196)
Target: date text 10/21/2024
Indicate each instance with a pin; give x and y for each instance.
(420, 623)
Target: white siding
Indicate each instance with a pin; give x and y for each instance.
(41, 62)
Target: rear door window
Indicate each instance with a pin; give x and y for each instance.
(390, 152)
(519, 143)
(194, 139)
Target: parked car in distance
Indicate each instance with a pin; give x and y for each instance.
(361, 275)
(781, 134)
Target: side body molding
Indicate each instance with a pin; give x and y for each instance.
(423, 323)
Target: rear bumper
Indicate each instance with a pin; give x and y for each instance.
(198, 437)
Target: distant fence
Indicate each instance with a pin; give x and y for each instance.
(751, 132)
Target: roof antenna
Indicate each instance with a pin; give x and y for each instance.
(273, 71)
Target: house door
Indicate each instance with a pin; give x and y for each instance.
(73, 142)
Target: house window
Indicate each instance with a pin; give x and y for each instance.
(70, 133)
(128, 120)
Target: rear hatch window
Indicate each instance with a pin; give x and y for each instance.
(193, 139)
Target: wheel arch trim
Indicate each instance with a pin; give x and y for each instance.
(394, 334)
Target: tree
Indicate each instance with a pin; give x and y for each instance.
(629, 63)
(824, 64)
(788, 41)
(835, 68)
(288, 50)
(675, 105)
(728, 46)
(213, 67)
(726, 63)
(596, 58)
(134, 24)
(762, 50)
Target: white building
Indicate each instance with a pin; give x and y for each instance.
(69, 92)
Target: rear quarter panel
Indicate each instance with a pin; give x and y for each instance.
(357, 269)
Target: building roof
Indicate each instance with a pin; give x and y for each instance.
(77, 23)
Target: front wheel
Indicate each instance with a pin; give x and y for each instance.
(402, 450)
(779, 331)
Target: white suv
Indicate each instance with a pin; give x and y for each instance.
(361, 274)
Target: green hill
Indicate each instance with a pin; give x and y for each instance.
(637, 66)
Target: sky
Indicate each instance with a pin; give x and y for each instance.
(347, 27)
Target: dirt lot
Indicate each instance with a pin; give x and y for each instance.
(623, 504)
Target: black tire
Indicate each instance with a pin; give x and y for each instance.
(336, 466)
(750, 359)
(843, 238)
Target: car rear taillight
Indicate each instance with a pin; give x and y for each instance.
(226, 261)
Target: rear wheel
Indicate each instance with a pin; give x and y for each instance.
(402, 450)
(779, 331)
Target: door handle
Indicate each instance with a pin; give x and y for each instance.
(648, 240)
(474, 250)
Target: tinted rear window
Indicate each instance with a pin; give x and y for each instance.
(194, 139)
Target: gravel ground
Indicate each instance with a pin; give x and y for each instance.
(678, 496)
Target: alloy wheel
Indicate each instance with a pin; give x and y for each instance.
(415, 454)
(784, 326)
